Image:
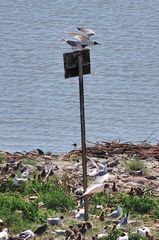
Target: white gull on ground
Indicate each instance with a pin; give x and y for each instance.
(28, 234)
(124, 222)
(143, 231)
(124, 236)
(56, 221)
(116, 214)
(100, 169)
(4, 234)
(80, 214)
(18, 181)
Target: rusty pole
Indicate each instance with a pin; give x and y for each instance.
(83, 134)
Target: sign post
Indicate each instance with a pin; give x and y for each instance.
(77, 64)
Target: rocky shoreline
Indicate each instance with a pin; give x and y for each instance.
(115, 154)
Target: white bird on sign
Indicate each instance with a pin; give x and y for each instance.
(74, 44)
(83, 39)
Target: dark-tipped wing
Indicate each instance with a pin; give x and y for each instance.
(87, 31)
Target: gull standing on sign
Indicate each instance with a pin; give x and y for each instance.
(83, 39)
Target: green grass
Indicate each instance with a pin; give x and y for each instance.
(20, 213)
(29, 161)
(136, 205)
(135, 164)
(16, 206)
(2, 158)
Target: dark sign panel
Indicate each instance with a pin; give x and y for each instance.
(71, 63)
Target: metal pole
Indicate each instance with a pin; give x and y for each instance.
(83, 135)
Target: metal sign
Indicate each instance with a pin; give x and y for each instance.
(71, 65)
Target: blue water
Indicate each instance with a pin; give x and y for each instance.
(39, 108)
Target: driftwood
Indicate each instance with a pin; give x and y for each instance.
(107, 149)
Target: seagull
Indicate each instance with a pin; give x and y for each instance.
(57, 221)
(80, 214)
(4, 234)
(102, 179)
(102, 235)
(124, 236)
(83, 39)
(18, 181)
(87, 31)
(59, 232)
(40, 230)
(124, 222)
(116, 214)
(102, 216)
(95, 188)
(79, 190)
(28, 234)
(74, 44)
(143, 231)
(101, 169)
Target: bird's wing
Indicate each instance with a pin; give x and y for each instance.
(73, 44)
(93, 188)
(87, 31)
(79, 36)
(93, 173)
(102, 179)
(103, 166)
(93, 162)
(113, 214)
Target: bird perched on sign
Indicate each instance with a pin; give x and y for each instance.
(82, 39)
(116, 214)
(57, 221)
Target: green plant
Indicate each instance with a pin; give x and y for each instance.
(135, 164)
(140, 205)
(29, 161)
(74, 157)
(2, 158)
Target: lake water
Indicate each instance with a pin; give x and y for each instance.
(39, 108)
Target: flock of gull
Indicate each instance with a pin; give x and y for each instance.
(100, 176)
